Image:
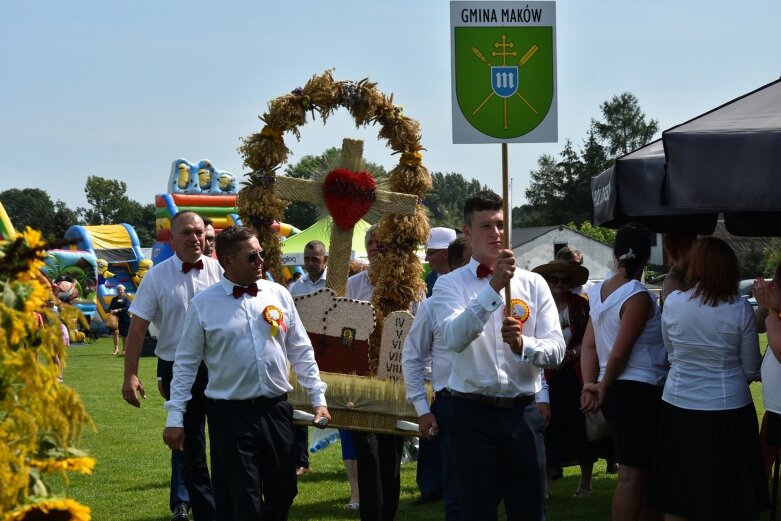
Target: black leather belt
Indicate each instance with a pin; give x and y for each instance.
(260, 400)
(496, 401)
(445, 392)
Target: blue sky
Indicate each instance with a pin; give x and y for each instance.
(122, 89)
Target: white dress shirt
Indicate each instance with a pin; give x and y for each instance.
(648, 360)
(425, 352)
(771, 382)
(471, 313)
(359, 287)
(234, 340)
(305, 285)
(713, 352)
(164, 295)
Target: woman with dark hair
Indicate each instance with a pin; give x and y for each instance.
(709, 464)
(624, 366)
(677, 244)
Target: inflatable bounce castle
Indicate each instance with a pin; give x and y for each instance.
(118, 259)
(201, 188)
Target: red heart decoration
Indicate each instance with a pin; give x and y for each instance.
(348, 196)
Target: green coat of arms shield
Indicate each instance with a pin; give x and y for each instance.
(504, 77)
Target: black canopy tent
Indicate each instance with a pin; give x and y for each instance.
(631, 190)
(726, 161)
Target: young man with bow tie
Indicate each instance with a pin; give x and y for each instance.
(496, 435)
(245, 329)
(163, 299)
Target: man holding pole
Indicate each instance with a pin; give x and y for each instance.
(496, 430)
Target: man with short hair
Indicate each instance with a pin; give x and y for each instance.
(246, 330)
(425, 352)
(163, 299)
(436, 254)
(315, 265)
(496, 429)
(209, 237)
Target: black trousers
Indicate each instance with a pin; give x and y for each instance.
(379, 474)
(252, 442)
(498, 454)
(195, 470)
(301, 445)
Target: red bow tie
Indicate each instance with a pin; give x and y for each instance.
(483, 271)
(187, 266)
(251, 290)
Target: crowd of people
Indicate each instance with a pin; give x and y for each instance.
(513, 382)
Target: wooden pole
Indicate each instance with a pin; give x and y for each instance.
(508, 223)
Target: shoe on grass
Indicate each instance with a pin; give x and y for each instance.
(180, 513)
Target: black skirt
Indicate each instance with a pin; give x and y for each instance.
(708, 465)
(565, 437)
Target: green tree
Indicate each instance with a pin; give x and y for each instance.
(605, 235)
(110, 205)
(107, 200)
(446, 199)
(63, 219)
(303, 215)
(560, 190)
(623, 126)
(29, 207)
(142, 219)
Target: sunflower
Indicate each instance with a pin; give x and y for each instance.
(51, 510)
(82, 465)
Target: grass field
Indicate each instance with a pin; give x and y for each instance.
(130, 481)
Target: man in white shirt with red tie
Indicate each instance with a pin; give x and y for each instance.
(163, 299)
(496, 430)
(245, 330)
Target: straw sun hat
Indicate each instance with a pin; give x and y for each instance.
(579, 274)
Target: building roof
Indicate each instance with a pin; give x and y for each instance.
(521, 236)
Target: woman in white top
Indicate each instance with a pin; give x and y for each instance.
(708, 463)
(768, 319)
(624, 367)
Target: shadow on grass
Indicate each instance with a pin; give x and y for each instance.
(147, 486)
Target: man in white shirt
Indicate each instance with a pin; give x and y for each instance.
(245, 330)
(209, 236)
(436, 254)
(379, 455)
(496, 430)
(315, 265)
(163, 299)
(425, 354)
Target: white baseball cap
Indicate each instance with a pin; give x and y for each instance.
(440, 238)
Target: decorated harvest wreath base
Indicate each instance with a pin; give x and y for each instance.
(397, 281)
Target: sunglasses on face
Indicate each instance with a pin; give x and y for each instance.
(210, 238)
(256, 256)
(553, 279)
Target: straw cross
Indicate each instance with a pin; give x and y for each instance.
(339, 249)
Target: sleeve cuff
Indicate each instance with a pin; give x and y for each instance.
(318, 400)
(489, 299)
(421, 406)
(175, 419)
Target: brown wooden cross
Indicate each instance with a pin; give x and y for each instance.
(339, 249)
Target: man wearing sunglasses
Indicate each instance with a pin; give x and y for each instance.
(246, 329)
(163, 299)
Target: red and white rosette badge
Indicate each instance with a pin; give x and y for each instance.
(273, 315)
(520, 311)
